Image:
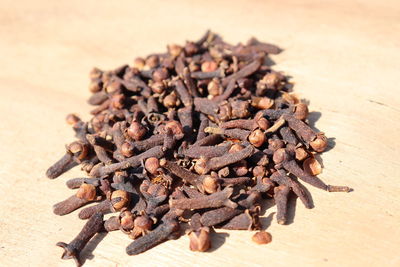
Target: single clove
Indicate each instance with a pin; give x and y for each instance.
(72, 250)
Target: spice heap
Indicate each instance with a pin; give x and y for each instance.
(194, 138)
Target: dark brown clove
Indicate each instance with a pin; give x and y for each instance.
(69, 205)
(283, 157)
(206, 106)
(288, 136)
(200, 75)
(257, 122)
(230, 88)
(209, 140)
(263, 185)
(235, 181)
(245, 221)
(155, 237)
(153, 193)
(244, 72)
(117, 201)
(216, 216)
(103, 207)
(186, 118)
(183, 93)
(77, 182)
(214, 200)
(281, 178)
(72, 250)
(60, 166)
(317, 141)
(100, 171)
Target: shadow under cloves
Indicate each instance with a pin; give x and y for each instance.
(312, 118)
(266, 221)
(217, 239)
(87, 252)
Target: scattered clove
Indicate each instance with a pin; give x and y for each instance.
(262, 237)
(200, 239)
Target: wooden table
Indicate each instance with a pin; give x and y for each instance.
(343, 57)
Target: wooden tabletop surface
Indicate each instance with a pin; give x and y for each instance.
(342, 55)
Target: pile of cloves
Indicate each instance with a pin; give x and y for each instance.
(192, 139)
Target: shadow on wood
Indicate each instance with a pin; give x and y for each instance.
(87, 252)
(217, 240)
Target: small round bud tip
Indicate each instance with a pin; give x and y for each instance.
(262, 237)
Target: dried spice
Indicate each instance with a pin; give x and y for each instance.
(262, 237)
(198, 135)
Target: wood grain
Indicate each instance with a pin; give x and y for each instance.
(343, 57)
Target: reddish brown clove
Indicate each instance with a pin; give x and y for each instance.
(262, 237)
(60, 166)
(200, 239)
(312, 166)
(142, 225)
(151, 165)
(214, 200)
(136, 131)
(153, 238)
(207, 151)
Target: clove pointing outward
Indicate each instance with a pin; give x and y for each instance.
(72, 250)
(281, 178)
(85, 194)
(283, 157)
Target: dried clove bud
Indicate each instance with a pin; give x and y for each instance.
(72, 250)
(312, 166)
(262, 237)
(200, 239)
(155, 237)
(86, 191)
(122, 198)
(136, 131)
(141, 226)
(151, 165)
